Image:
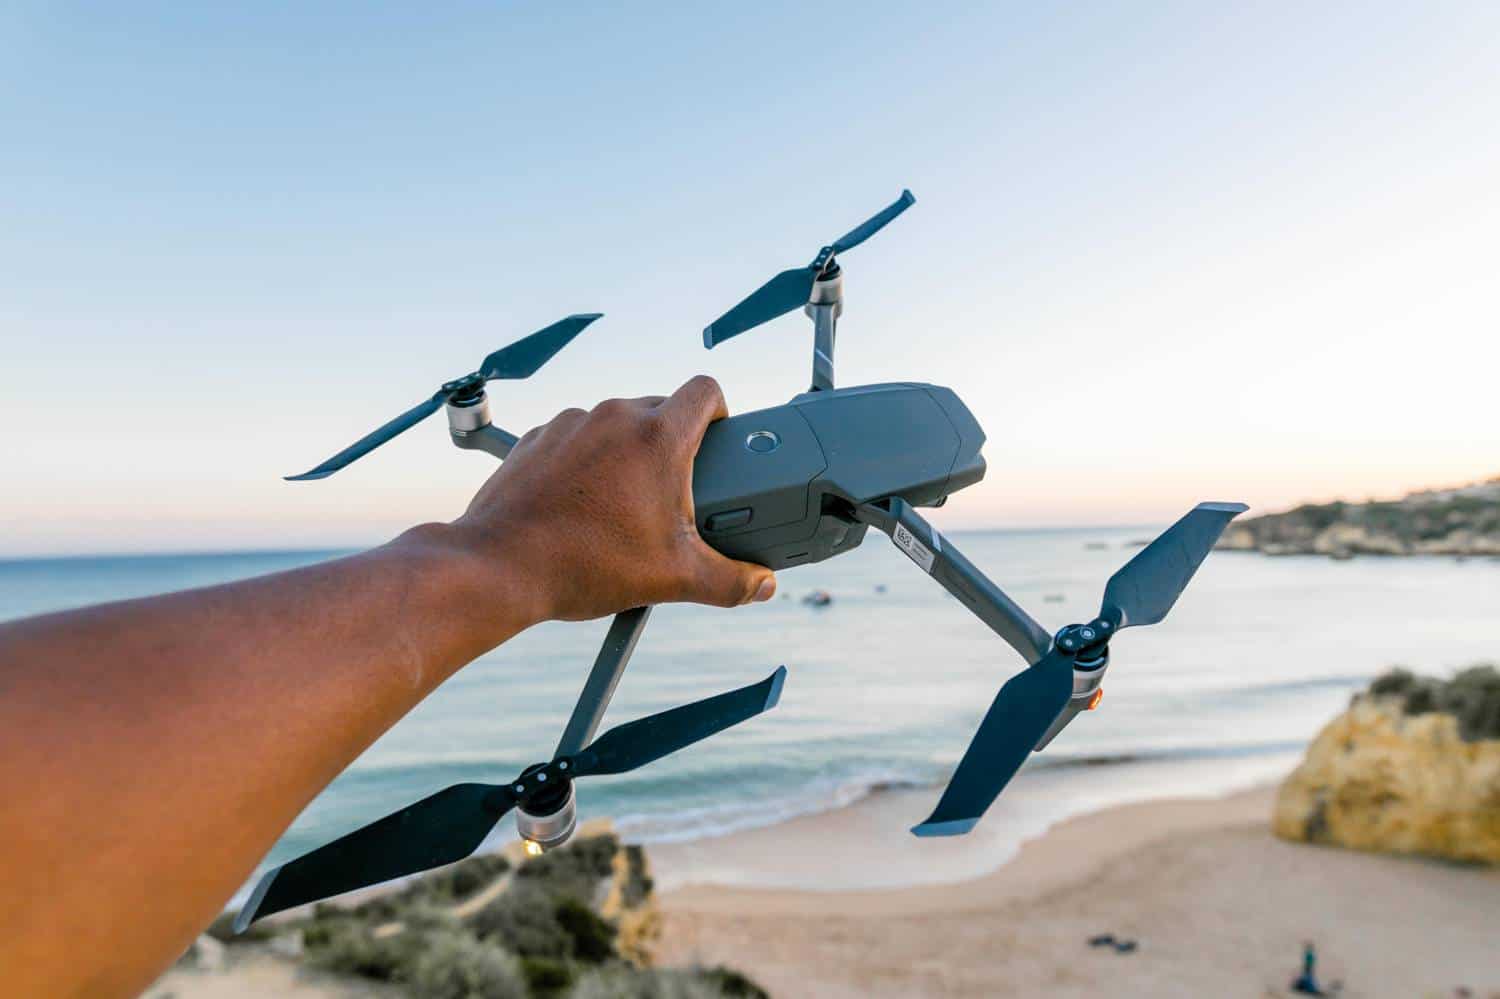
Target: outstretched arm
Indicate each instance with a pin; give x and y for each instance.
(151, 751)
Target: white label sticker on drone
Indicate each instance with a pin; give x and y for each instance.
(915, 550)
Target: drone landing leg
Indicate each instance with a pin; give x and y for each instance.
(624, 631)
(937, 557)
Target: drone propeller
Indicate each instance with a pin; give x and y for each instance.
(1034, 704)
(792, 289)
(519, 360)
(451, 824)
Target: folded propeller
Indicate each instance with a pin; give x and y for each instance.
(1036, 703)
(519, 360)
(793, 289)
(448, 826)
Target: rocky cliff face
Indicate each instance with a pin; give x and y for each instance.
(1464, 521)
(1412, 767)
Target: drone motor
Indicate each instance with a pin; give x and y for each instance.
(548, 819)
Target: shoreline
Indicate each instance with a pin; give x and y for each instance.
(1217, 905)
(958, 868)
(1043, 794)
(877, 852)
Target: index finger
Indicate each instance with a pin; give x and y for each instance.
(693, 407)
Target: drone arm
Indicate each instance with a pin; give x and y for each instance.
(825, 305)
(825, 321)
(1076, 706)
(624, 631)
(470, 428)
(488, 438)
(938, 557)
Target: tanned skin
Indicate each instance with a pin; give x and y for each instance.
(152, 751)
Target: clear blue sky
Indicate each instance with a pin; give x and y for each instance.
(1167, 252)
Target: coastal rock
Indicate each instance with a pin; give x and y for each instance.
(630, 904)
(1460, 522)
(1398, 773)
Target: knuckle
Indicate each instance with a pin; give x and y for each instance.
(654, 429)
(705, 386)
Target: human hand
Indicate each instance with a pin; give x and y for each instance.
(595, 511)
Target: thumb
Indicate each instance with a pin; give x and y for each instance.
(725, 582)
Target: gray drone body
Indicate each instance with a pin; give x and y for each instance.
(778, 486)
(782, 487)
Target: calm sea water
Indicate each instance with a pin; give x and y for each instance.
(886, 686)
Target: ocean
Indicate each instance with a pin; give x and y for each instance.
(887, 683)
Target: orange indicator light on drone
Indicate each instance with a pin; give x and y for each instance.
(532, 847)
(1094, 701)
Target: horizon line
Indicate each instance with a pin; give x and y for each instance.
(348, 549)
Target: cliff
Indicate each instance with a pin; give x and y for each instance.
(580, 922)
(1463, 521)
(1413, 766)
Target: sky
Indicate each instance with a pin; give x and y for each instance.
(1165, 252)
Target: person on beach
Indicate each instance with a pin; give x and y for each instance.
(152, 750)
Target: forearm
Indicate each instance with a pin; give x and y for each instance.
(200, 724)
(151, 751)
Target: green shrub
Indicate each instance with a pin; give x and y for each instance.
(523, 920)
(452, 964)
(733, 984)
(1394, 682)
(347, 947)
(547, 977)
(593, 938)
(467, 877)
(574, 870)
(623, 981)
(1472, 697)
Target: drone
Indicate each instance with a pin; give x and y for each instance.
(786, 486)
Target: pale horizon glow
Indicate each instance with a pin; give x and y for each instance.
(1166, 254)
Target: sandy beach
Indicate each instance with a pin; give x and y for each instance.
(1216, 905)
(1219, 907)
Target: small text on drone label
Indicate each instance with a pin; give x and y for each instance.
(915, 550)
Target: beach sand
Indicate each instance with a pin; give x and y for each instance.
(1219, 908)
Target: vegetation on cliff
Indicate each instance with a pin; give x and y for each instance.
(577, 922)
(1413, 766)
(1463, 521)
(1472, 697)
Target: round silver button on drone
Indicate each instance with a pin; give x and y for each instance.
(763, 441)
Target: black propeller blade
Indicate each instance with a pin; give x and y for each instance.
(1148, 585)
(791, 289)
(519, 360)
(1014, 723)
(647, 740)
(451, 824)
(440, 829)
(1142, 592)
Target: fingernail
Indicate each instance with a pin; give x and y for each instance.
(766, 591)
